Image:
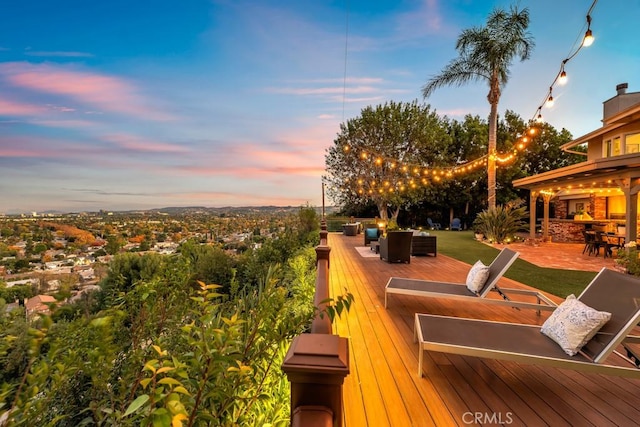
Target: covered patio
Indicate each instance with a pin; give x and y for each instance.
(606, 185)
(595, 180)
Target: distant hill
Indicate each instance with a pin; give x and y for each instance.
(190, 210)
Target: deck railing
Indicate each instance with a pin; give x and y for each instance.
(317, 363)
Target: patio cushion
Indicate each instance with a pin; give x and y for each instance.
(477, 276)
(372, 233)
(573, 323)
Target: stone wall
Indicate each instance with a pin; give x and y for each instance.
(566, 232)
(598, 207)
(561, 208)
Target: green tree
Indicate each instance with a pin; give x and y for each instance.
(542, 154)
(164, 351)
(209, 264)
(381, 155)
(113, 245)
(308, 225)
(486, 54)
(39, 248)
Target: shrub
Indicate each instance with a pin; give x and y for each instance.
(629, 258)
(500, 224)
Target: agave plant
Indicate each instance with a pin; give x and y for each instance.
(501, 223)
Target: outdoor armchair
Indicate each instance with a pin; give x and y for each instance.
(433, 225)
(371, 234)
(396, 246)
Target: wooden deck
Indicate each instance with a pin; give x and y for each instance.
(383, 388)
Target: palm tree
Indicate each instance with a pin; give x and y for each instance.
(486, 54)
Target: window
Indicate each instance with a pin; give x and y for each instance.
(632, 143)
(612, 147)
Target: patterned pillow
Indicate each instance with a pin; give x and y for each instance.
(477, 276)
(573, 323)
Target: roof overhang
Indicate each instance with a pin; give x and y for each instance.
(595, 174)
(611, 123)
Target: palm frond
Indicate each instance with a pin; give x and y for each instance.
(458, 72)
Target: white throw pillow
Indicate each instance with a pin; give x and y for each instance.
(573, 323)
(477, 276)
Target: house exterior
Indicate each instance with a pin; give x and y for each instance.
(605, 186)
(38, 304)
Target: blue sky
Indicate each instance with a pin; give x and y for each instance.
(142, 104)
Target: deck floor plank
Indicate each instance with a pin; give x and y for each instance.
(383, 387)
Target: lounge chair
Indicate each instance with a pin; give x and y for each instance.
(429, 288)
(609, 291)
(456, 224)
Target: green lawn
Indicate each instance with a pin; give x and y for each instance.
(462, 246)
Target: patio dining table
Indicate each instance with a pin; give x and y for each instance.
(616, 239)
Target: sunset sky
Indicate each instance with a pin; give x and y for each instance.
(124, 105)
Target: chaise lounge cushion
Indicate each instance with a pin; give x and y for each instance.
(477, 276)
(573, 323)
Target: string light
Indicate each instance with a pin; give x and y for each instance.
(588, 36)
(562, 79)
(550, 100)
(430, 174)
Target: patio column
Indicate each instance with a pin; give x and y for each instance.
(545, 222)
(631, 215)
(631, 230)
(533, 197)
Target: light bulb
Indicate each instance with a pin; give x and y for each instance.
(588, 38)
(550, 101)
(539, 119)
(563, 77)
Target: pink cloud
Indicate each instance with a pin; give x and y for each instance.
(52, 148)
(296, 153)
(370, 99)
(261, 173)
(10, 108)
(323, 90)
(425, 19)
(135, 143)
(102, 91)
(238, 198)
(75, 124)
(351, 80)
(30, 148)
(18, 152)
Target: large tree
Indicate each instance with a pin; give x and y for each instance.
(486, 54)
(386, 156)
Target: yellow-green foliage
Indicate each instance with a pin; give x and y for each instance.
(499, 225)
